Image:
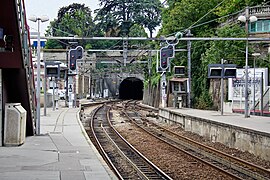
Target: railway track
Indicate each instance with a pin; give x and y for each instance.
(125, 160)
(234, 166)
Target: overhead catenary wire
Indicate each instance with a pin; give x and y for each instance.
(194, 24)
(205, 15)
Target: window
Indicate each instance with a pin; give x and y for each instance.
(252, 27)
(266, 26)
(176, 87)
(182, 86)
(259, 26)
(179, 87)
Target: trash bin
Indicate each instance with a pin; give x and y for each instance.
(14, 124)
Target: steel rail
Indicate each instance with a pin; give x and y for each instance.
(141, 169)
(257, 173)
(184, 151)
(101, 150)
(164, 175)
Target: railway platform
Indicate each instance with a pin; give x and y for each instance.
(232, 129)
(253, 123)
(61, 152)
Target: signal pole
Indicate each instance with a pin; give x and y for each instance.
(189, 68)
(164, 65)
(163, 90)
(73, 55)
(125, 51)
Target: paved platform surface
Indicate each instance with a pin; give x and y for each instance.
(256, 123)
(61, 152)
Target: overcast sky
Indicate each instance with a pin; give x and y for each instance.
(50, 8)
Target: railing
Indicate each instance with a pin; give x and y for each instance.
(26, 54)
(259, 10)
(265, 105)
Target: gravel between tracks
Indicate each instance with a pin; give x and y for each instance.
(171, 161)
(219, 146)
(175, 163)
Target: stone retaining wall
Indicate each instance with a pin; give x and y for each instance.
(257, 143)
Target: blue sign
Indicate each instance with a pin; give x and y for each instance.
(42, 44)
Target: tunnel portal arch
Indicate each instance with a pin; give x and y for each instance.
(131, 88)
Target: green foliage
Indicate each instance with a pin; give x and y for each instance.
(137, 31)
(232, 51)
(118, 16)
(204, 101)
(202, 18)
(72, 20)
(232, 6)
(75, 20)
(53, 44)
(181, 15)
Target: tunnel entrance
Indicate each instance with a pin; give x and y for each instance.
(131, 88)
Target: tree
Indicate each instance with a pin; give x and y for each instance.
(72, 20)
(118, 16)
(137, 31)
(181, 15)
(203, 19)
(233, 6)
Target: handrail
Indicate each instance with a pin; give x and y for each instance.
(265, 102)
(26, 54)
(259, 10)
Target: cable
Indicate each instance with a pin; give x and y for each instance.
(62, 31)
(205, 14)
(193, 25)
(215, 19)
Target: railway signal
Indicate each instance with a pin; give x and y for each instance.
(75, 54)
(79, 51)
(165, 54)
(72, 59)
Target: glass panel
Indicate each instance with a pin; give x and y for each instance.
(176, 86)
(266, 26)
(259, 26)
(182, 86)
(252, 27)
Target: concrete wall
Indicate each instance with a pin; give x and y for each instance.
(151, 95)
(255, 142)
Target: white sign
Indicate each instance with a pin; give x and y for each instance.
(236, 86)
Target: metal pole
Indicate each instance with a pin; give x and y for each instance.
(189, 69)
(262, 94)
(45, 88)
(125, 49)
(90, 84)
(163, 89)
(53, 93)
(222, 88)
(158, 39)
(150, 64)
(66, 79)
(38, 82)
(254, 86)
(246, 83)
(246, 69)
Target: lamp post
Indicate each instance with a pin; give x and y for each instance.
(38, 19)
(246, 19)
(254, 76)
